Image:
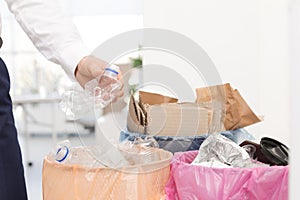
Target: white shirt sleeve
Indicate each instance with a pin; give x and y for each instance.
(52, 32)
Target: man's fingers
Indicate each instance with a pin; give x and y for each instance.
(90, 68)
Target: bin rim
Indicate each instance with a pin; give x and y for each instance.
(178, 161)
(167, 160)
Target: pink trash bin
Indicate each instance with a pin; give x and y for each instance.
(204, 183)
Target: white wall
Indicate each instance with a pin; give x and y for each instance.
(248, 42)
(295, 88)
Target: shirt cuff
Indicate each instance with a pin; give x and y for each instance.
(71, 56)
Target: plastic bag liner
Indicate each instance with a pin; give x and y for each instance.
(206, 183)
(135, 182)
(187, 143)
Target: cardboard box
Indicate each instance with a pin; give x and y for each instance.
(217, 108)
(156, 114)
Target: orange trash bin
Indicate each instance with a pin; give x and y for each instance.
(136, 182)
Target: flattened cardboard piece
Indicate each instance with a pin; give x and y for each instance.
(177, 119)
(152, 98)
(238, 113)
(165, 118)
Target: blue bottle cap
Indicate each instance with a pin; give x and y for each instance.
(64, 151)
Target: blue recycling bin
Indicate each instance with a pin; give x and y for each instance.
(187, 143)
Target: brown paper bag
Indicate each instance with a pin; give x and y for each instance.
(237, 112)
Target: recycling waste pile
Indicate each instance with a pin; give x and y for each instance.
(174, 151)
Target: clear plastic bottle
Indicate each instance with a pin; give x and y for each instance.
(88, 156)
(97, 94)
(63, 153)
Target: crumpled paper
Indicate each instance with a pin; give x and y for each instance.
(217, 148)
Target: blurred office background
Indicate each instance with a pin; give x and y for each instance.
(254, 45)
(40, 122)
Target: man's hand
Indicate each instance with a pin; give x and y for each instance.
(90, 68)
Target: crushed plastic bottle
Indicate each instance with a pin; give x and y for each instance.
(102, 88)
(97, 94)
(113, 156)
(147, 142)
(140, 150)
(85, 156)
